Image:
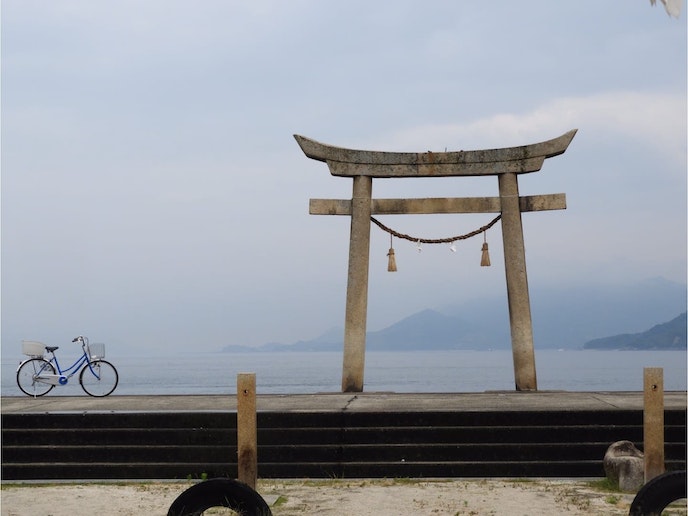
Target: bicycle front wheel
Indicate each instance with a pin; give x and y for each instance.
(28, 377)
(98, 378)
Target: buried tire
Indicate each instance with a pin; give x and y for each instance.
(659, 492)
(219, 492)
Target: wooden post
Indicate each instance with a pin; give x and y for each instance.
(517, 285)
(247, 435)
(357, 287)
(653, 422)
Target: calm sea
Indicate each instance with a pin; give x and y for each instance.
(437, 371)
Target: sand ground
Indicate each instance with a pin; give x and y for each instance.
(508, 497)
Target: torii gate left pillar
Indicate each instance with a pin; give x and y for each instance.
(357, 288)
(506, 163)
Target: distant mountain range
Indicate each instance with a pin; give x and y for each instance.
(572, 318)
(670, 335)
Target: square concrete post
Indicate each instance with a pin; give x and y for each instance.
(517, 284)
(357, 287)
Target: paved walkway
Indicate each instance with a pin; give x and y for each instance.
(336, 402)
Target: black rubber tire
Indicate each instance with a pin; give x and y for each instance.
(97, 388)
(219, 492)
(659, 492)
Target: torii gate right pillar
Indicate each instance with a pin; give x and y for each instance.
(517, 285)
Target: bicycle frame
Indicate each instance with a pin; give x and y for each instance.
(60, 378)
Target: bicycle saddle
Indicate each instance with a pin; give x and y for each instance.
(52, 348)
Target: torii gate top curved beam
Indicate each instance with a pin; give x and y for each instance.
(519, 160)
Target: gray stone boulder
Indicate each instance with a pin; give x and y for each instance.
(624, 465)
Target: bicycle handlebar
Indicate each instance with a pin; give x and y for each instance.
(77, 339)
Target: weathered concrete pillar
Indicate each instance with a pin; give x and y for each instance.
(653, 421)
(357, 288)
(517, 284)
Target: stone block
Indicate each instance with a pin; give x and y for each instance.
(624, 465)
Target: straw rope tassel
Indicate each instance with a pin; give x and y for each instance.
(392, 263)
(485, 259)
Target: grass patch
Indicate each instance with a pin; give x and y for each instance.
(5, 485)
(281, 500)
(605, 485)
(612, 499)
(339, 482)
(138, 485)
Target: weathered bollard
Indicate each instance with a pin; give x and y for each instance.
(653, 422)
(247, 434)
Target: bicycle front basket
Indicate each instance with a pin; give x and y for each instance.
(97, 350)
(33, 348)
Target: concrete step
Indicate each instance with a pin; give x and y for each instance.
(316, 419)
(297, 436)
(288, 453)
(198, 470)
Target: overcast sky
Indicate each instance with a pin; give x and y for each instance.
(153, 195)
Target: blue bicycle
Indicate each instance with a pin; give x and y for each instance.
(38, 375)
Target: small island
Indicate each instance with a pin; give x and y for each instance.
(667, 336)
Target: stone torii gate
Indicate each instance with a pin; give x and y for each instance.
(506, 163)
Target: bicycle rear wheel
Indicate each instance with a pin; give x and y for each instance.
(98, 378)
(29, 371)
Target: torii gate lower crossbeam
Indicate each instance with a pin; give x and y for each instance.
(506, 163)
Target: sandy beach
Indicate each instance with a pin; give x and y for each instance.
(508, 497)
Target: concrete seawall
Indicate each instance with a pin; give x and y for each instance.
(492, 434)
